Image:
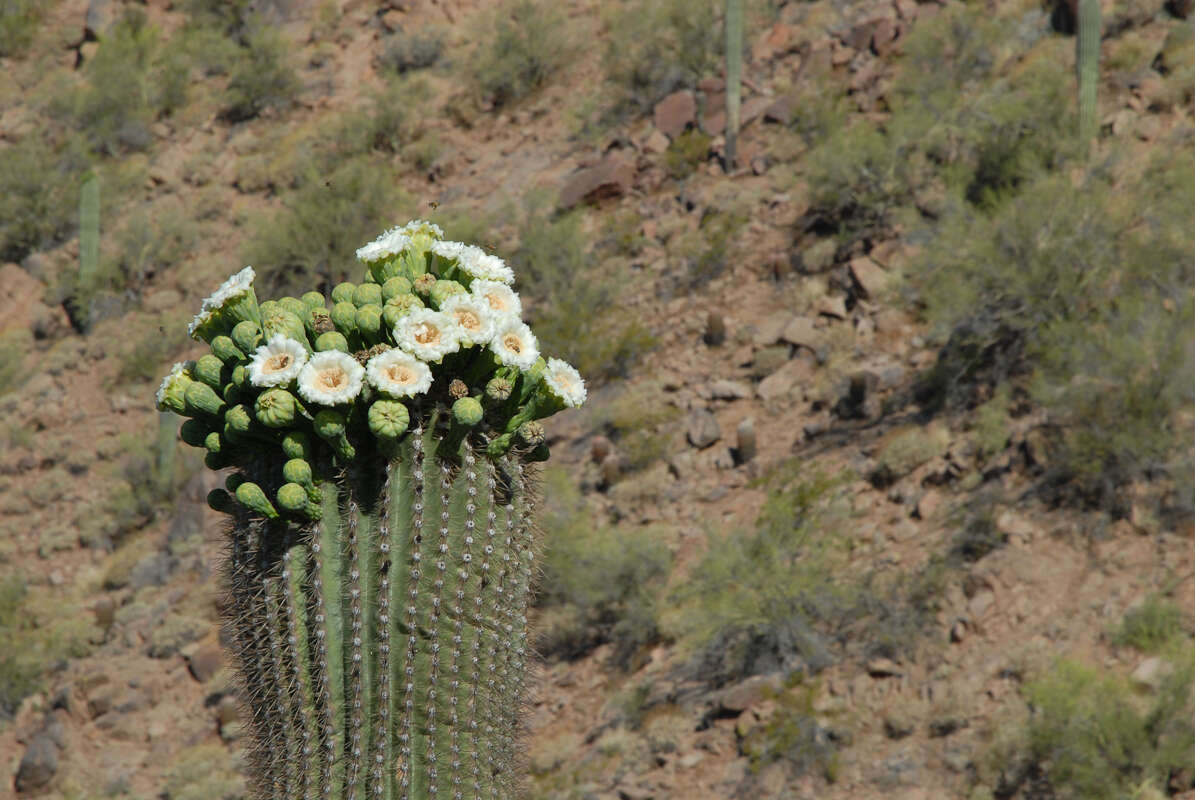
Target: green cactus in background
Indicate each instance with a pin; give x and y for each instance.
(1087, 65)
(89, 236)
(734, 76)
(380, 553)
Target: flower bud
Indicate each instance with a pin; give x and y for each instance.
(467, 411)
(532, 433)
(344, 316)
(213, 442)
(193, 432)
(294, 305)
(369, 321)
(226, 350)
(246, 336)
(208, 369)
(330, 426)
(276, 408)
(297, 444)
(395, 286)
(367, 294)
(332, 340)
(286, 323)
(237, 418)
(292, 497)
(313, 300)
(220, 500)
(423, 284)
(398, 307)
(202, 399)
(252, 497)
(443, 289)
(388, 419)
(298, 470)
(343, 292)
(498, 389)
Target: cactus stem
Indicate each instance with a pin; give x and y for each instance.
(356, 640)
(324, 580)
(297, 646)
(407, 729)
(286, 747)
(380, 741)
(434, 625)
(459, 612)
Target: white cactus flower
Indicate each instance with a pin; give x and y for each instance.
(473, 318)
(390, 243)
(277, 362)
(502, 299)
(474, 261)
(565, 382)
(331, 378)
(514, 344)
(398, 374)
(426, 334)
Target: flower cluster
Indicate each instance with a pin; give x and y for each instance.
(432, 333)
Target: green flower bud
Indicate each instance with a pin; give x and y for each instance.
(226, 350)
(276, 408)
(294, 305)
(202, 399)
(467, 411)
(344, 316)
(213, 442)
(369, 321)
(292, 497)
(532, 433)
(208, 369)
(286, 323)
(313, 300)
(220, 500)
(531, 379)
(237, 418)
(499, 445)
(233, 481)
(193, 432)
(269, 306)
(367, 294)
(332, 340)
(172, 393)
(395, 286)
(498, 389)
(252, 497)
(443, 289)
(388, 419)
(329, 425)
(538, 453)
(398, 307)
(297, 444)
(247, 336)
(232, 393)
(343, 292)
(240, 376)
(216, 461)
(423, 284)
(298, 470)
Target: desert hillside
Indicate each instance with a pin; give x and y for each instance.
(883, 488)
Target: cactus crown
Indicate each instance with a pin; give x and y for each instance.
(379, 555)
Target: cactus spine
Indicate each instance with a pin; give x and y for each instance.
(734, 70)
(380, 549)
(1087, 65)
(89, 236)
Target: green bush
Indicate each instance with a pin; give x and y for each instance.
(1151, 626)
(1096, 740)
(599, 583)
(148, 345)
(757, 599)
(39, 194)
(793, 735)
(262, 76)
(638, 424)
(204, 772)
(404, 52)
(225, 16)
(14, 344)
(686, 153)
(526, 42)
(576, 295)
(18, 24)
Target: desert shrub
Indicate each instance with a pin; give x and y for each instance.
(224, 16)
(757, 599)
(18, 24)
(39, 193)
(14, 344)
(658, 46)
(599, 583)
(576, 293)
(794, 735)
(1151, 626)
(204, 772)
(148, 344)
(262, 76)
(313, 237)
(638, 424)
(524, 43)
(1094, 739)
(991, 424)
(686, 153)
(40, 630)
(403, 52)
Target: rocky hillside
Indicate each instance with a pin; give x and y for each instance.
(881, 490)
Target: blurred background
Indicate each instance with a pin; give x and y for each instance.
(884, 486)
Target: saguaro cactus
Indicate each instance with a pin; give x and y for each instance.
(89, 235)
(1087, 65)
(734, 76)
(380, 549)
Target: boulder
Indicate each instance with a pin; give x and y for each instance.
(675, 113)
(38, 765)
(869, 277)
(703, 429)
(611, 177)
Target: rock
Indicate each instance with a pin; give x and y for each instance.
(675, 113)
(782, 109)
(38, 765)
(690, 760)
(1011, 523)
(748, 693)
(1151, 673)
(769, 329)
(801, 332)
(204, 660)
(611, 177)
(715, 329)
(818, 257)
(831, 307)
(898, 724)
(100, 16)
(869, 276)
(682, 464)
(611, 470)
(980, 602)
(769, 359)
(703, 429)
(884, 668)
(928, 505)
(745, 434)
(392, 20)
(655, 143)
(782, 382)
(599, 448)
(725, 390)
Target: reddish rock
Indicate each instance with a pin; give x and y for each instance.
(205, 661)
(784, 381)
(675, 112)
(801, 332)
(611, 177)
(869, 276)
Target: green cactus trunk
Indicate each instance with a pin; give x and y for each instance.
(89, 240)
(734, 77)
(383, 648)
(1087, 65)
